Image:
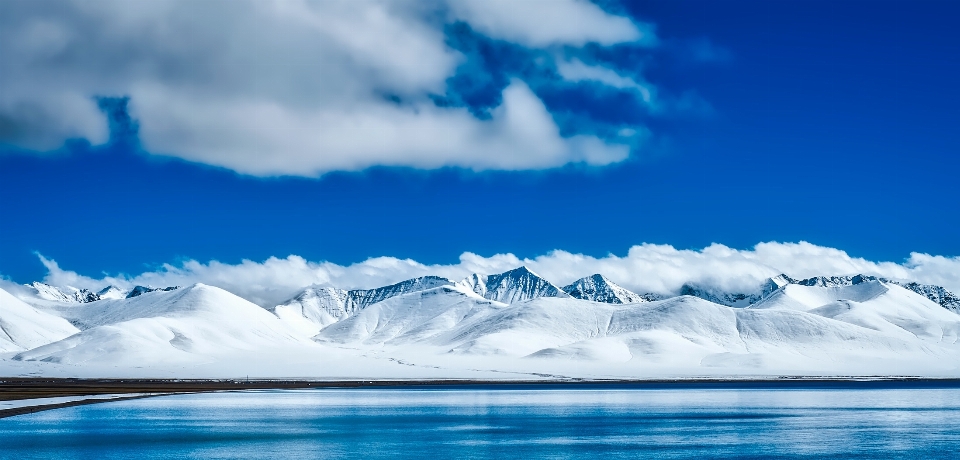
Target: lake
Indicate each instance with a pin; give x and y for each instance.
(510, 421)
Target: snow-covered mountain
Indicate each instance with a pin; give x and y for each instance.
(112, 292)
(937, 294)
(23, 327)
(364, 298)
(598, 288)
(511, 286)
(140, 290)
(48, 292)
(426, 316)
(71, 294)
(772, 284)
(67, 294)
(719, 296)
(688, 332)
(181, 325)
(737, 299)
(316, 307)
(515, 323)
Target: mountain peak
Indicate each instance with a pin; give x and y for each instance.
(364, 298)
(68, 294)
(520, 271)
(111, 292)
(48, 292)
(600, 289)
(511, 286)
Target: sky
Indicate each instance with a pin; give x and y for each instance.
(158, 140)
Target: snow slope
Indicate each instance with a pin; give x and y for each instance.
(937, 294)
(165, 327)
(316, 307)
(23, 327)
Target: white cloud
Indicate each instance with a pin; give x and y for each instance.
(576, 70)
(288, 87)
(520, 135)
(540, 23)
(645, 268)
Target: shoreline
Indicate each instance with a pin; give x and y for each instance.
(23, 388)
(4, 413)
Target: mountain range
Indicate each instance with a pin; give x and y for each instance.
(71, 294)
(503, 325)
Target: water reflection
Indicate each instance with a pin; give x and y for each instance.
(521, 422)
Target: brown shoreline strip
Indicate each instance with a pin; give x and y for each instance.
(4, 413)
(29, 388)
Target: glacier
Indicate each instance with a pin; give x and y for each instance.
(514, 325)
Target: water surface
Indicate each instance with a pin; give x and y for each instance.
(503, 422)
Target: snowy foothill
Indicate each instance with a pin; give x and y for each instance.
(514, 325)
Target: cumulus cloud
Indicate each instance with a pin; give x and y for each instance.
(645, 268)
(292, 87)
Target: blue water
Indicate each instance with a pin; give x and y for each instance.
(503, 422)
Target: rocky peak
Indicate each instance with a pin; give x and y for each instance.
(364, 298)
(140, 290)
(598, 288)
(512, 286)
(838, 281)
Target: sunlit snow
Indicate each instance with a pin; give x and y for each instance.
(514, 325)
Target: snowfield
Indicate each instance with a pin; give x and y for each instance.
(513, 325)
(23, 327)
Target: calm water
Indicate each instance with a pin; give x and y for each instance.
(503, 422)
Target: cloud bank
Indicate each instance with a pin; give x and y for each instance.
(299, 87)
(645, 268)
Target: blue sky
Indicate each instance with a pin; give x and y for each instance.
(681, 123)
